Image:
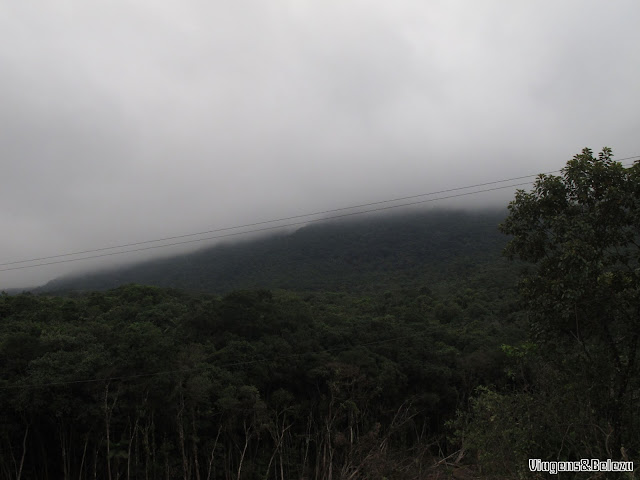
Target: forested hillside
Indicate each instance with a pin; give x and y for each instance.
(401, 348)
(396, 321)
(360, 254)
(142, 382)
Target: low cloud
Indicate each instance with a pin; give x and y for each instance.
(126, 121)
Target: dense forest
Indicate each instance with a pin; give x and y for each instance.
(393, 347)
(145, 382)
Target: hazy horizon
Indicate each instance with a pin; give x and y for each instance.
(240, 249)
(201, 243)
(129, 121)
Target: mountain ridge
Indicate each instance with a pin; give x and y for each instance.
(406, 247)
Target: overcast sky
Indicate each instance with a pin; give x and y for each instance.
(123, 121)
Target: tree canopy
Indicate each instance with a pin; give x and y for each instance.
(582, 230)
(576, 382)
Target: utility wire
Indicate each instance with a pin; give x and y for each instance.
(244, 232)
(283, 219)
(323, 212)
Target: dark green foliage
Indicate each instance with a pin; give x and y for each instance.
(147, 383)
(576, 384)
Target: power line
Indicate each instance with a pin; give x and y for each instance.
(265, 222)
(283, 219)
(257, 230)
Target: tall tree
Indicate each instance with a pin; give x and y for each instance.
(581, 230)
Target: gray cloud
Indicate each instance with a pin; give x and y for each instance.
(128, 120)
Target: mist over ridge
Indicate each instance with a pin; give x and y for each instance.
(409, 246)
(124, 121)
